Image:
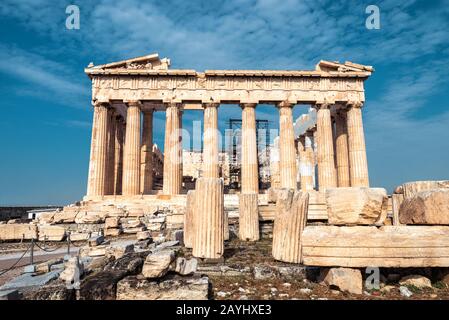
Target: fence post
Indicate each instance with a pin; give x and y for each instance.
(68, 243)
(32, 252)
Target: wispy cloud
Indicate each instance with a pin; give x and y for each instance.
(55, 79)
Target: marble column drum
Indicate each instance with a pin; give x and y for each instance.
(146, 175)
(249, 167)
(341, 149)
(356, 145)
(211, 143)
(98, 154)
(327, 175)
(131, 155)
(287, 149)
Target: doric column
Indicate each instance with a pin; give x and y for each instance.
(96, 185)
(118, 158)
(310, 159)
(210, 151)
(131, 155)
(146, 174)
(110, 161)
(341, 149)
(287, 150)
(356, 145)
(249, 171)
(172, 150)
(305, 163)
(327, 175)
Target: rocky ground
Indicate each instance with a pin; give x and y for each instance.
(167, 270)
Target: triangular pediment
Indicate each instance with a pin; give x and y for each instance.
(148, 62)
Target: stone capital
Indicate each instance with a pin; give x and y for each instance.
(210, 105)
(322, 105)
(173, 104)
(285, 104)
(248, 105)
(133, 103)
(98, 103)
(354, 104)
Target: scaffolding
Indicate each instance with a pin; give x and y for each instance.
(233, 148)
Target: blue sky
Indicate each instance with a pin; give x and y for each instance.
(46, 111)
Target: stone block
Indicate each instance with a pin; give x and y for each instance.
(410, 189)
(157, 264)
(112, 222)
(18, 231)
(143, 235)
(345, 279)
(51, 233)
(186, 267)
(112, 232)
(417, 281)
(426, 207)
(356, 206)
(133, 288)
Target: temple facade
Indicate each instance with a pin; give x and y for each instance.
(126, 94)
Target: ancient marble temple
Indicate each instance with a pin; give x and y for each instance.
(126, 94)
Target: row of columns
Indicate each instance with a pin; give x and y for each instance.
(339, 148)
(121, 157)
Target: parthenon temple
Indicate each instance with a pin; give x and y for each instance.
(126, 94)
(301, 200)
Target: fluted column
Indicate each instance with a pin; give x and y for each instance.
(96, 185)
(131, 156)
(305, 162)
(210, 152)
(287, 150)
(118, 158)
(356, 145)
(249, 168)
(208, 241)
(146, 175)
(341, 149)
(327, 175)
(172, 150)
(310, 160)
(110, 162)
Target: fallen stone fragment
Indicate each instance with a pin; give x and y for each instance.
(73, 272)
(416, 281)
(426, 207)
(143, 235)
(119, 249)
(133, 288)
(89, 217)
(111, 222)
(95, 241)
(186, 267)
(157, 264)
(112, 232)
(46, 266)
(263, 272)
(27, 280)
(405, 291)
(101, 285)
(410, 189)
(345, 279)
(356, 206)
